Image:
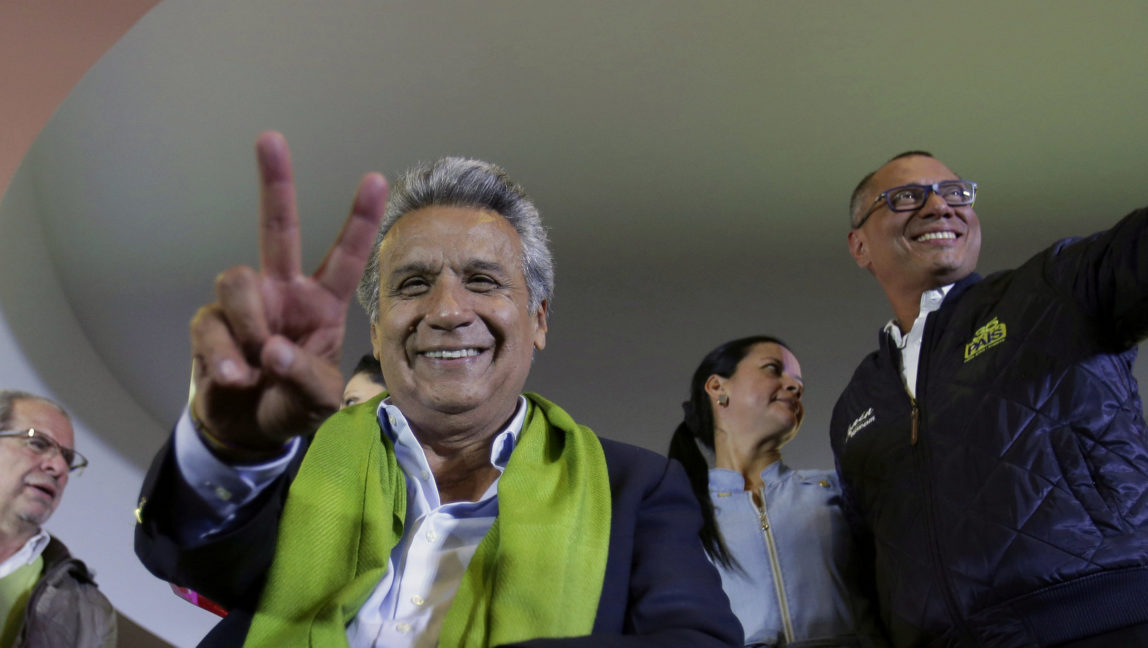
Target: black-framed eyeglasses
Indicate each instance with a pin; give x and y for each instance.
(957, 193)
(42, 445)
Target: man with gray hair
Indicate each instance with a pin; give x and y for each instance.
(47, 598)
(453, 511)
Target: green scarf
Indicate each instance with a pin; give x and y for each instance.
(538, 572)
(15, 589)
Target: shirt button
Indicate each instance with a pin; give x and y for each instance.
(418, 600)
(391, 420)
(432, 536)
(403, 627)
(425, 475)
(219, 491)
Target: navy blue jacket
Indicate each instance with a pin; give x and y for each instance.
(1016, 512)
(659, 589)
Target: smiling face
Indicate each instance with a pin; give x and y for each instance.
(764, 398)
(910, 252)
(455, 335)
(32, 485)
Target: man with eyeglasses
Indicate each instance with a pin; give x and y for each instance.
(993, 450)
(47, 598)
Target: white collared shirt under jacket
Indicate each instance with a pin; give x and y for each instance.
(408, 606)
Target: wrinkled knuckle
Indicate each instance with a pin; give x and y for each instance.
(234, 279)
(204, 318)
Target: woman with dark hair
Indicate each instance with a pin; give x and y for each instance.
(776, 535)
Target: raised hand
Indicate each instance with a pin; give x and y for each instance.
(266, 352)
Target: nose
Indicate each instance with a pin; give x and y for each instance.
(935, 205)
(793, 386)
(449, 306)
(53, 463)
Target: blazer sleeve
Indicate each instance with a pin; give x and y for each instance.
(660, 590)
(227, 567)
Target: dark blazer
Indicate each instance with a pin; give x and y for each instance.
(659, 589)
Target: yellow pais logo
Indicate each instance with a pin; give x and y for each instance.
(986, 337)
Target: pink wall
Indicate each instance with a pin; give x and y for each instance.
(46, 46)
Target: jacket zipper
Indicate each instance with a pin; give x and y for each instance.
(916, 420)
(775, 566)
(931, 516)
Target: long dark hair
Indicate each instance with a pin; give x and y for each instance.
(697, 426)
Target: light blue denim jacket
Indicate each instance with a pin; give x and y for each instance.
(788, 585)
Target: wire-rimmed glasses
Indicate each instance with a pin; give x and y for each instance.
(42, 445)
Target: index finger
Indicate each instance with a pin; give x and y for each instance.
(279, 248)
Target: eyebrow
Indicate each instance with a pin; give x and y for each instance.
(413, 267)
(779, 361)
(482, 264)
(422, 267)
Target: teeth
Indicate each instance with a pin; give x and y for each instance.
(451, 355)
(934, 236)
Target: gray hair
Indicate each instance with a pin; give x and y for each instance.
(9, 398)
(463, 182)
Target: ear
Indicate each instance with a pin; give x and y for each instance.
(714, 385)
(540, 325)
(375, 346)
(859, 248)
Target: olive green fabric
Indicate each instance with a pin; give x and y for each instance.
(15, 588)
(345, 513)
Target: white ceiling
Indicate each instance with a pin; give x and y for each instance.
(693, 161)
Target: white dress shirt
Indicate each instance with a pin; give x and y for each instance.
(910, 345)
(26, 554)
(407, 607)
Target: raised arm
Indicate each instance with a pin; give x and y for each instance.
(265, 353)
(1106, 274)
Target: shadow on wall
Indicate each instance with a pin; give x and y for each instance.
(52, 341)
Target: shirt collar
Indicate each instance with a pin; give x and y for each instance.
(930, 301)
(725, 480)
(396, 427)
(26, 554)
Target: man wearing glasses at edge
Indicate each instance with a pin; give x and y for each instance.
(47, 598)
(993, 451)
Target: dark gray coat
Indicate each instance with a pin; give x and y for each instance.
(66, 609)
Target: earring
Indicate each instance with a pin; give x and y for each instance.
(723, 400)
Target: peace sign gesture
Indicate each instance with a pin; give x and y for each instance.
(266, 352)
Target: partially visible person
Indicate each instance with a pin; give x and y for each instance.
(47, 597)
(365, 383)
(777, 535)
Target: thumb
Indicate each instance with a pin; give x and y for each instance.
(312, 386)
